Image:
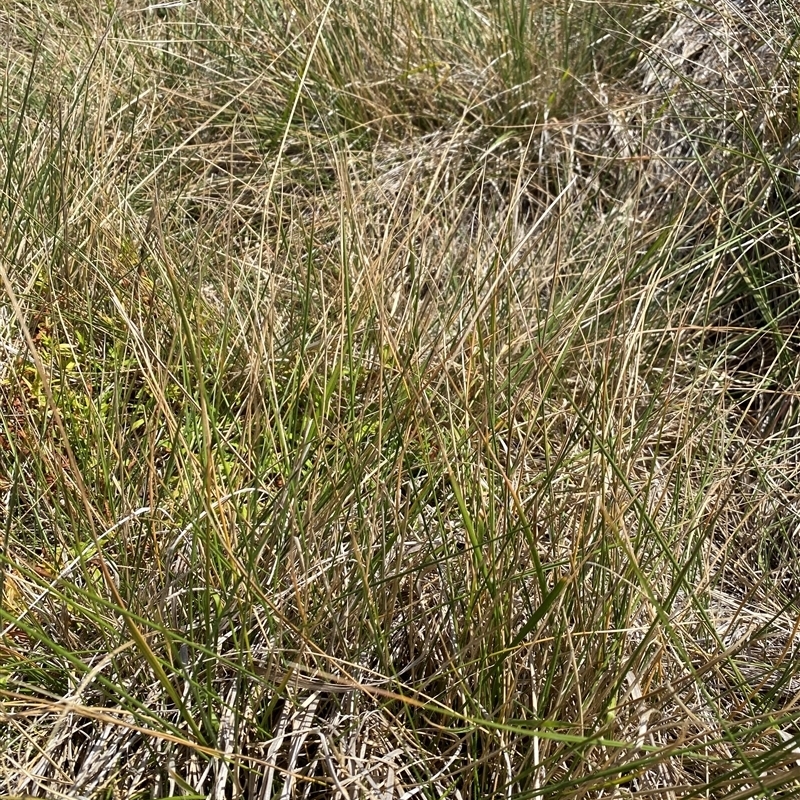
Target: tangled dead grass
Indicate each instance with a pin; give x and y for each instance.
(438, 445)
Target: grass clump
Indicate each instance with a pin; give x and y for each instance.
(399, 400)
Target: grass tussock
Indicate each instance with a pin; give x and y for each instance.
(399, 400)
